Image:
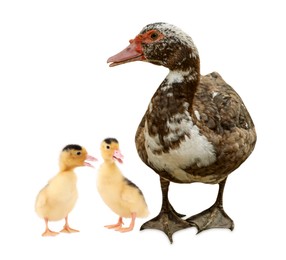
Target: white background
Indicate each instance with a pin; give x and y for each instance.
(56, 88)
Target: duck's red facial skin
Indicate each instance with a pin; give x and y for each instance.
(149, 37)
(134, 52)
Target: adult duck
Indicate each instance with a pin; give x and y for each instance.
(196, 128)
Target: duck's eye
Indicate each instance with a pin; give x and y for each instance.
(78, 153)
(154, 36)
(107, 147)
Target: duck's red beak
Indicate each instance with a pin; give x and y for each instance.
(132, 53)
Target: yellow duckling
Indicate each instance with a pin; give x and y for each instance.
(57, 199)
(121, 195)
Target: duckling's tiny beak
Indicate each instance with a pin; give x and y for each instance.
(117, 155)
(90, 158)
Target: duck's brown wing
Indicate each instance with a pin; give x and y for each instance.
(223, 119)
(140, 141)
(220, 108)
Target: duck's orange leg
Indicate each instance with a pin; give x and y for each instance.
(131, 226)
(67, 228)
(48, 232)
(117, 225)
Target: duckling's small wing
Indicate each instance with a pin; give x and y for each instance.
(131, 191)
(41, 199)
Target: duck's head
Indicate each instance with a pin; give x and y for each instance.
(110, 150)
(73, 156)
(161, 44)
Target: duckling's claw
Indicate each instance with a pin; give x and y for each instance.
(124, 229)
(49, 233)
(68, 229)
(131, 226)
(116, 226)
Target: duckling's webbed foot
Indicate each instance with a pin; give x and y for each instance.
(213, 217)
(67, 228)
(168, 220)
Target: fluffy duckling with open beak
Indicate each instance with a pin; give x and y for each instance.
(57, 199)
(121, 195)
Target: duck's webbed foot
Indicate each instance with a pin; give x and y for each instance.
(168, 220)
(213, 217)
(175, 212)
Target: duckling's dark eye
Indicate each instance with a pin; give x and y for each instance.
(154, 36)
(107, 146)
(78, 153)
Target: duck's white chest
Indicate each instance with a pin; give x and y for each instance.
(193, 148)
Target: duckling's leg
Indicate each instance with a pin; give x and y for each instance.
(67, 228)
(168, 220)
(117, 225)
(215, 216)
(48, 232)
(131, 226)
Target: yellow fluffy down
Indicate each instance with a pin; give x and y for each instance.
(121, 197)
(56, 200)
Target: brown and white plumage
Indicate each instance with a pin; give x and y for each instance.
(121, 195)
(57, 199)
(196, 128)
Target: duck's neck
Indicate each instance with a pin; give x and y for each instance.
(171, 103)
(185, 72)
(190, 77)
(65, 168)
(179, 85)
